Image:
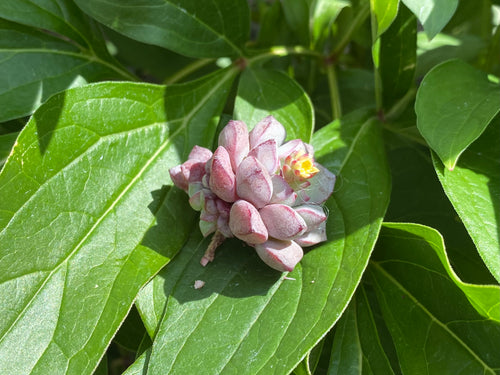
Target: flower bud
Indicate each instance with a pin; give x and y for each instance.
(313, 237)
(222, 179)
(267, 128)
(280, 255)
(246, 223)
(199, 153)
(282, 192)
(254, 182)
(282, 222)
(234, 138)
(313, 215)
(267, 154)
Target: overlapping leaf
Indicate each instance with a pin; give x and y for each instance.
(59, 16)
(36, 65)
(250, 319)
(6, 143)
(397, 57)
(474, 190)
(455, 103)
(87, 217)
(190, 27)
(263, 92)
(357, 348)
(385, 12)
(433, 15)
(428, 311)
(323, 14)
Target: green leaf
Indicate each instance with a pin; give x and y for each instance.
(263, 92)
(323, 14)
(297, 17)
(455, 103)
(189, 27)
(131, 332)
(261, 319)
(60, 16)
(385, 12)
(433, 15)
(418, 197)
(426, 309)
(6, 143)
(445, 47)
(473, 188)
(356, 347)
(87, 213)
(53, 66)
(397, 57)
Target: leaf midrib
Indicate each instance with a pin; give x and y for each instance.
(429, 314)
(117, 200)
(76, 55)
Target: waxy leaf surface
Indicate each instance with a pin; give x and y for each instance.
(433, 15)
(357, 348)
(6, 143)
(190, 27)
(473, 188)
(431, 316)
(455, 103)
(397, 57)
(53, 66)
(251, 319)
(59, 16)
(385, 12)
(88, 215)
(263, 92)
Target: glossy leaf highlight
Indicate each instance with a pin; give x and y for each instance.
(199, 29)
(455, 103)
(86, 211)
(473, 188)
(263, 92)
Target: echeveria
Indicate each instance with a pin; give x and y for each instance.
(267, 193)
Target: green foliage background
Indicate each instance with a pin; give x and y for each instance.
(99, 252)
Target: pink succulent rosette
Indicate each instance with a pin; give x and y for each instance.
(267, 193)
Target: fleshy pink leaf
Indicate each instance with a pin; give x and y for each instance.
(282, 221)
(222, 178)
(254, 182)
(280, 255)
(234, 138)
(246, 224)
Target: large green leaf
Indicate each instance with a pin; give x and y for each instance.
(53, 66)
(263, 92)
(357, 348)
(250, 319)
(444, 47)
(190, 27)
(323, 14)
(385, 12)
(296, 14)
(428, 311)
(433, 15)
(455, 103)
(397, 57)
(418, 197)
(87, 215)
(60, 16)
(473, 188)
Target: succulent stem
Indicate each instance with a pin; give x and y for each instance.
(217, 240)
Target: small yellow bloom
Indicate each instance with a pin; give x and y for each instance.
(302, 165)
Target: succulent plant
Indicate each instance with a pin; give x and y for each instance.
(267, 193)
